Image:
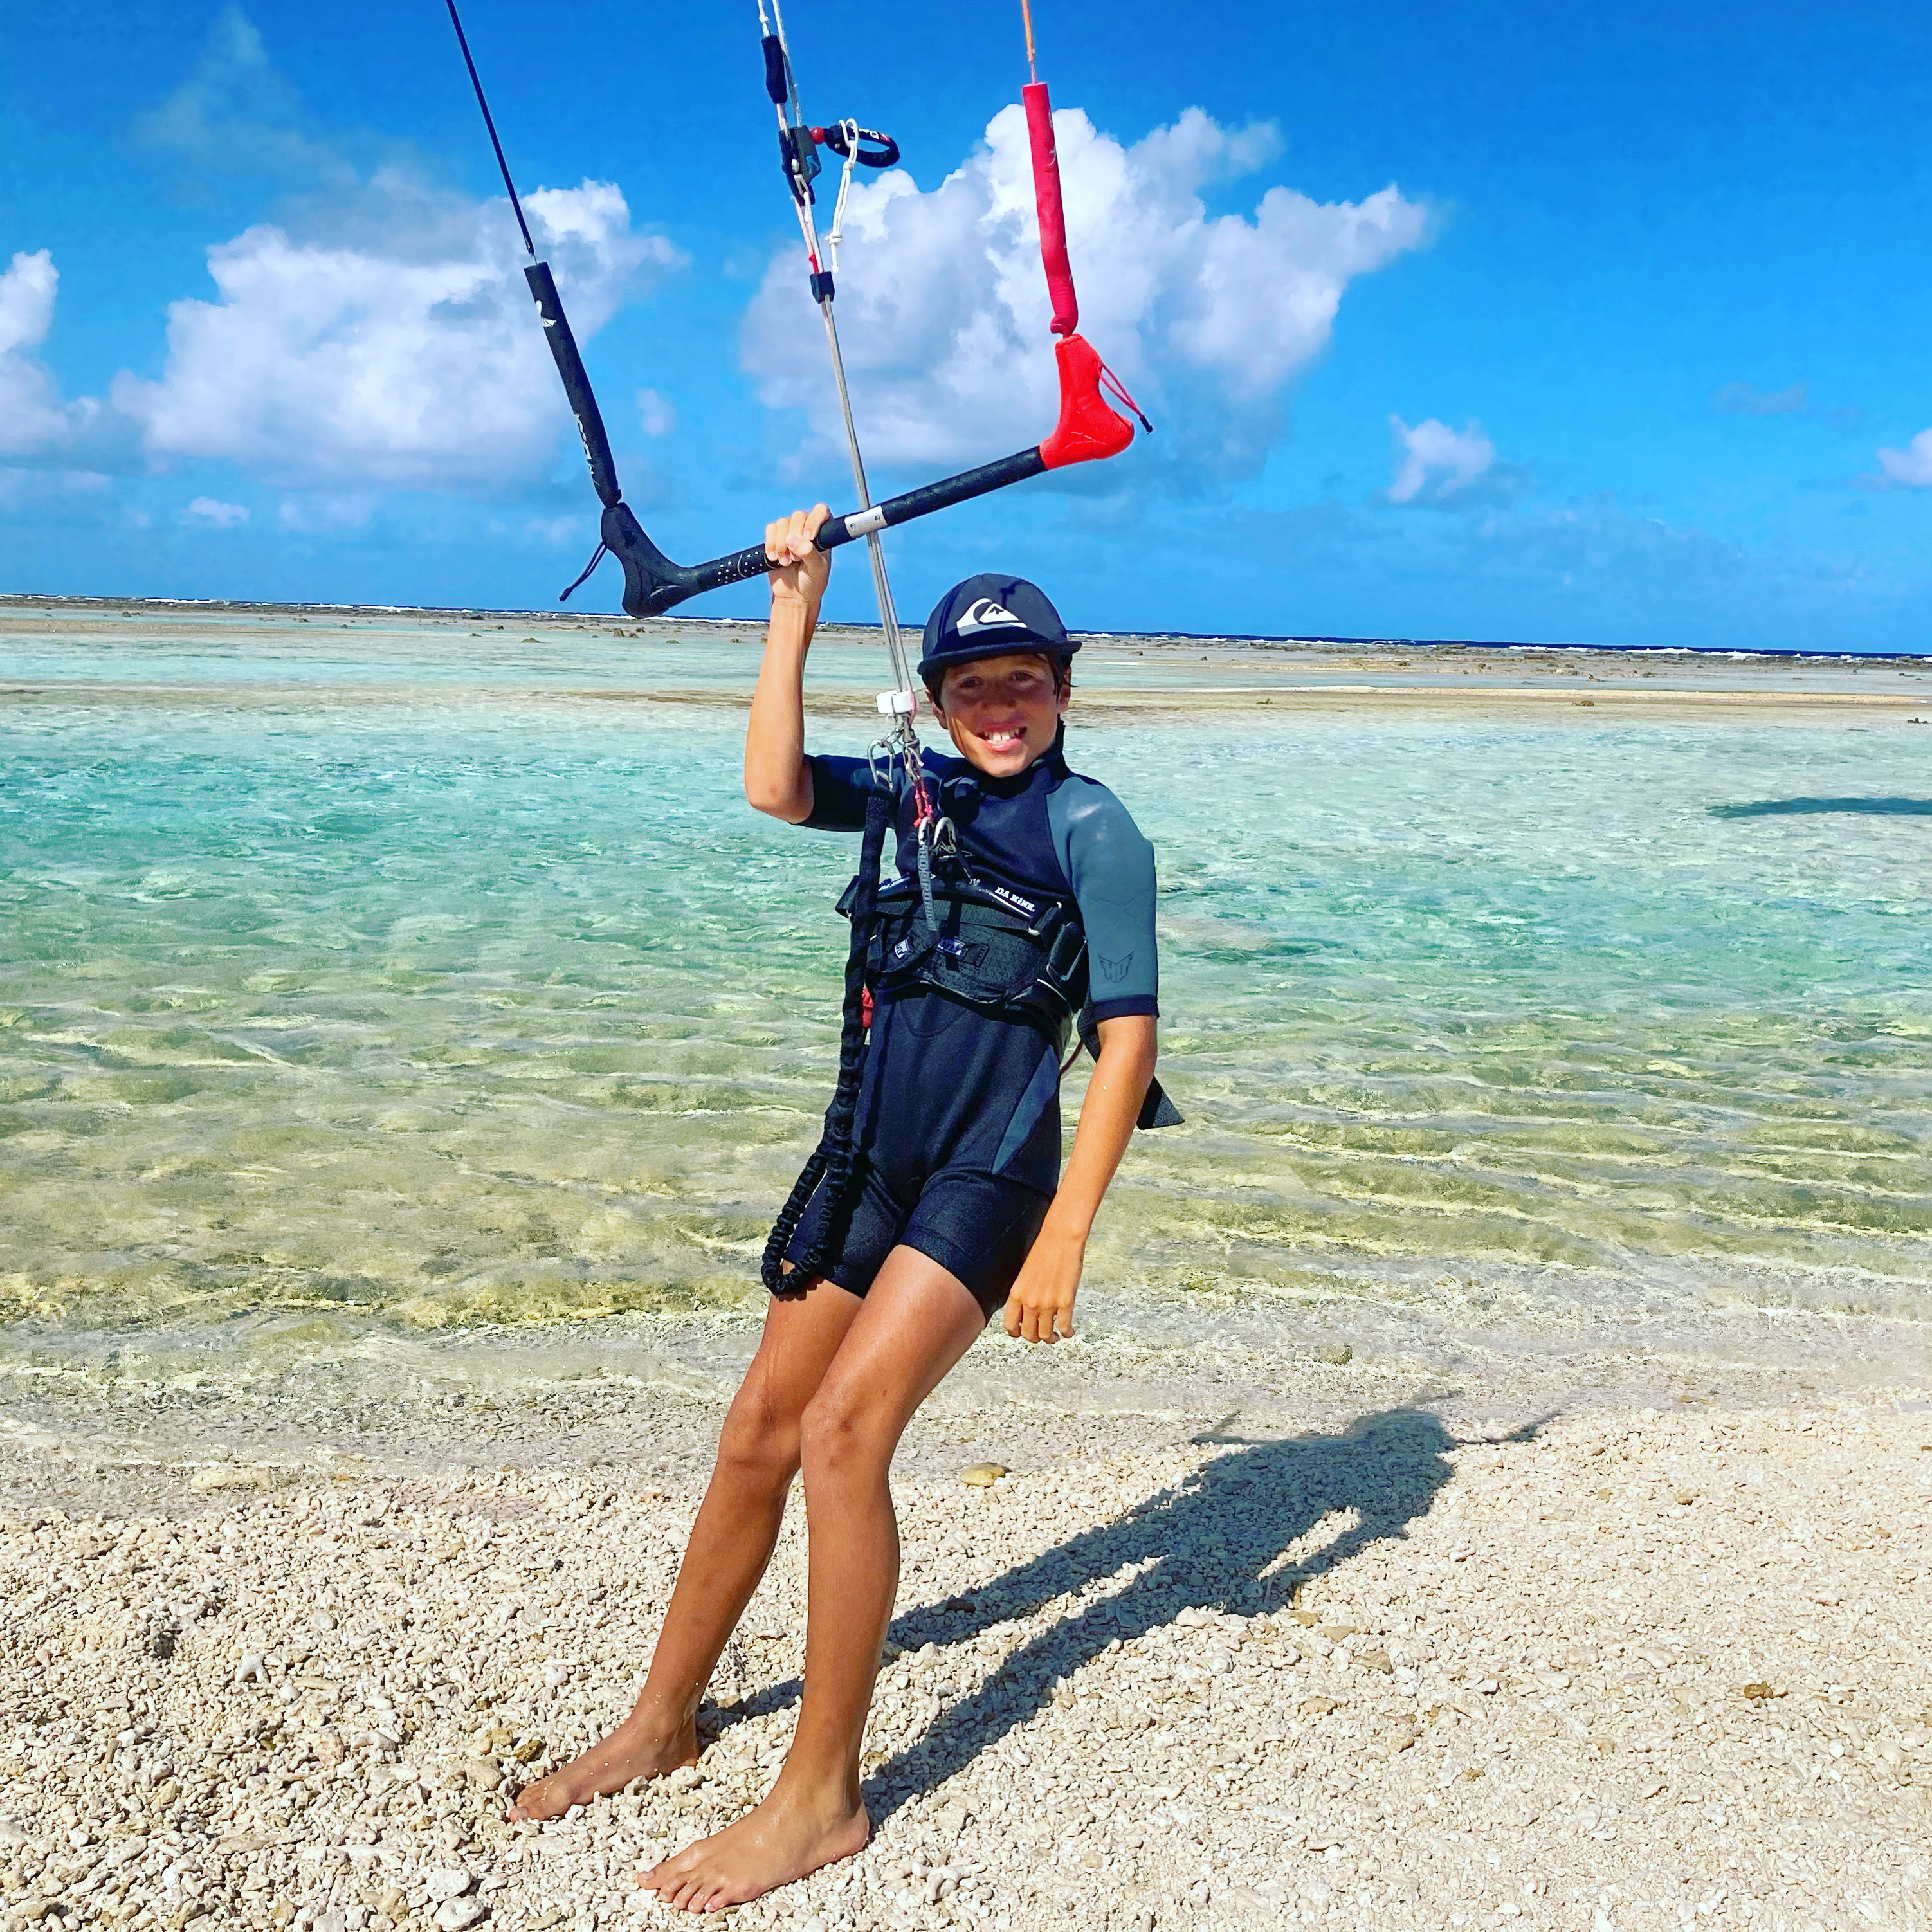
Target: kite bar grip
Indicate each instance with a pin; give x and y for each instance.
(576, 383)
(653, 584)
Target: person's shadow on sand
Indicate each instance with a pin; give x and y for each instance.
(1213, 1541)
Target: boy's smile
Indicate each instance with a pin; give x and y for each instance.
(1002, 712)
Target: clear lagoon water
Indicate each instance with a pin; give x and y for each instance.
(434, 974)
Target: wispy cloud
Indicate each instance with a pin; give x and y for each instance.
(237, 117)
(656, 415)
(1436, 464)
(1910, 468)
(1743, 399)
(215, 515)
(320, 512)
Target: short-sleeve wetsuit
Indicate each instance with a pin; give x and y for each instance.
(956, 1147)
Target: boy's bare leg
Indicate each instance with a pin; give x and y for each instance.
(916, 1321)
(731, 1543)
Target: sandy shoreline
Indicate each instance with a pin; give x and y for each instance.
(288, 1689)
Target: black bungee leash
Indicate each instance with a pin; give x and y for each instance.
(831, 1164)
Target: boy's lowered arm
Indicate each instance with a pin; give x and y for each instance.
(1040, 1308)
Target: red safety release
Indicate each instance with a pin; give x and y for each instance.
(1087, 429)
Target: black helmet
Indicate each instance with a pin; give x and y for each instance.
(986, 617)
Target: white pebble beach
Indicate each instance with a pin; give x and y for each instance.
(1602, 1665)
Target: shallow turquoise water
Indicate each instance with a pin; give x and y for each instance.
(444, 974)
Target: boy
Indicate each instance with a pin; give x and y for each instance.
(955, 1206)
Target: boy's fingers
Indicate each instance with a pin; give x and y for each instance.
(789, 539)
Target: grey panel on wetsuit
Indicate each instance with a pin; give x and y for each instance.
(1110, 865)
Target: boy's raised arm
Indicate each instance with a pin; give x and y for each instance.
(777, 778)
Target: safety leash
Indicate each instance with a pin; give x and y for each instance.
(831, 1163)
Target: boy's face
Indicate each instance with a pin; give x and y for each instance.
(1002, 713)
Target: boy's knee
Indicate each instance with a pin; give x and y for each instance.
(838, 1431)
(758, 1440)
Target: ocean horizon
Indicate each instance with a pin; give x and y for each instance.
(91, 602)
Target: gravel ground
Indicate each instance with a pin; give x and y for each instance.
(1611, 1668)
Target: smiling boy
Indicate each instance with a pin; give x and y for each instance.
(955, 1207)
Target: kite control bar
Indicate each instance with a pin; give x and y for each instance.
(1087, 429)
(653, 583)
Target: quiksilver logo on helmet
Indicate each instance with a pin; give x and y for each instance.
(983, 614)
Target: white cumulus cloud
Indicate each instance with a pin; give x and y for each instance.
(1910, 468)
(943, 309)
(37, 426)
(217, 515)
(1435, 463)
(30, 416)
(393, 344)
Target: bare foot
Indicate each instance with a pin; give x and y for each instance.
(637, 1748)
(780, 1840)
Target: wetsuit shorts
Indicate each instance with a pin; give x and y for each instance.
(980, 1227)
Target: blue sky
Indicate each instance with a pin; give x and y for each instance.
(1500, 323)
